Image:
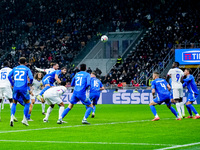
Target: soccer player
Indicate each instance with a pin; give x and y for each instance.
(53, 96)
(55, 66)
(20, 76)
(95, 88)
(176, 75)
(5, 86)
(193, 93)
(162, 88)
(81, 81)
(35, 90)
(49, 80)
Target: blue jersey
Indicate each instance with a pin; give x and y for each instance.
(160, 85)
(95, 85)
(51, 76)
(20, 76)
(81, 81)
(191, 85)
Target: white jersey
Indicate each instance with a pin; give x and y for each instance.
(50, 70)
(176, 75)
(56, 91)
(4, 72)
(36, 86)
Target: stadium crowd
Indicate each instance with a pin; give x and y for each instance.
(56, 31)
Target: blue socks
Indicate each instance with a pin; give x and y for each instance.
(174, 112)
(65, 112)
(94, 109)
(189, 110)
(13, 109)
(44, 89)
(87, 113)
(192, 108)
(153, 109)
(29, 116)
(26, 109)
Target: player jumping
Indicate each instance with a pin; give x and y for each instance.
(53, 96)
(176, 75)
(192, 93)
(162, 88)
(55, 66)
(20, 76)
(95, 88)
(49, 80)
(81, 81)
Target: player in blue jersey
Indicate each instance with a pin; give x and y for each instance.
(81, 81)
(192, 93)
(162, 88)
(95, 89)
(49, 80)
(19, 82)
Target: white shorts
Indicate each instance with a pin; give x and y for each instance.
(6, 92)
(177, 93)
(52, 100)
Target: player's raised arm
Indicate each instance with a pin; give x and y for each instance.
(39, 69)
(189, 78)
(10, 77)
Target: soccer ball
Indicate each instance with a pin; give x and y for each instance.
(104, 38)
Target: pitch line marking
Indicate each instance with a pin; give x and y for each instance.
(98, 124)
(178, 146)
(71, 142)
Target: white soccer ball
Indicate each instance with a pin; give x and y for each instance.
(104, 38)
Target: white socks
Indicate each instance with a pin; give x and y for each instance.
(43, 107)
(11, 105)
(48, 112)
(156, 116)
(182, 108)
(12, 118)
(61, 109)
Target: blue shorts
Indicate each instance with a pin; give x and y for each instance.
(47, 81)
(94, 97)
(192, 97)
(159, 101)
(76, 97)
(21, 95)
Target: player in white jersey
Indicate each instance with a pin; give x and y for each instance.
(176, 75)
(55, 66)
(5, 86)
(35, 90)
(53, 96)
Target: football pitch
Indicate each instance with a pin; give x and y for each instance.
(114, 127)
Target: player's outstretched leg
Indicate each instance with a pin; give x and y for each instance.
(189, 104)
(26, 110)
(48, 113)
(13, 110)
(174, 112)
(153, 109)
(189, 111)
(65, 112)
(87, 113)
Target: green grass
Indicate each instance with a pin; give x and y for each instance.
(166, 131)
